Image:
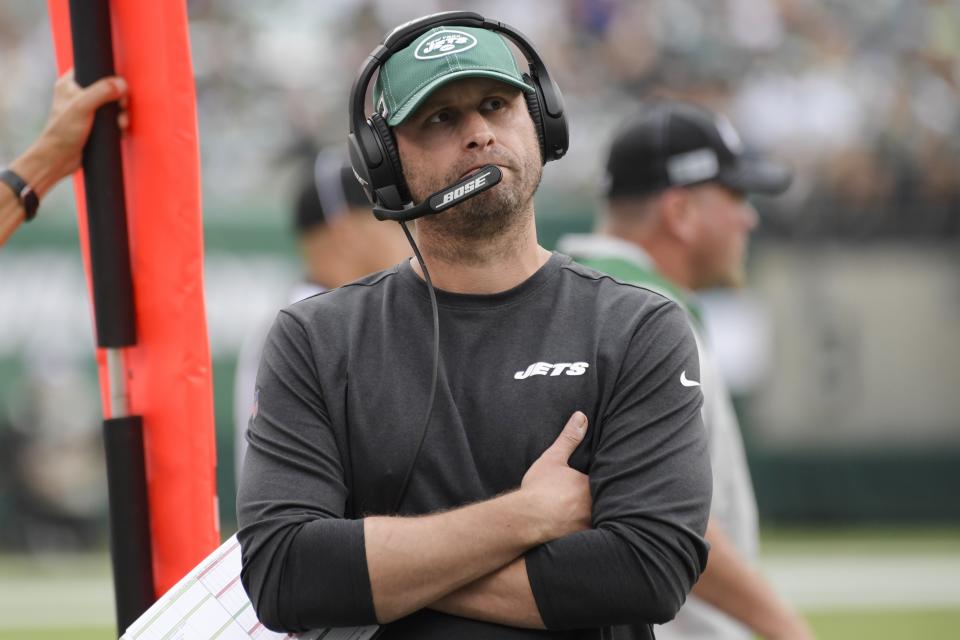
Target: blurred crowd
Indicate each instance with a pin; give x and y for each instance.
(863, 98)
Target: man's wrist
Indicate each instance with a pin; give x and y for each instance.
(38, 167)
(534, 530)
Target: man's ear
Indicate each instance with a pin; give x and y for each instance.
(678, 214)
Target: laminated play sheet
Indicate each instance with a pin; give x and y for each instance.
(209, 602)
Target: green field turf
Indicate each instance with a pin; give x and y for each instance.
(87, 633)
(934, 624)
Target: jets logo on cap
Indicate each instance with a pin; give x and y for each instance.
(444, 43)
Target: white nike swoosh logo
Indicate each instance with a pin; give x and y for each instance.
(687, 382)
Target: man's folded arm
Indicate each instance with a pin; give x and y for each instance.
(651, 485)
(338, 572)
(503, 597)
(306, 566)
(303, 561)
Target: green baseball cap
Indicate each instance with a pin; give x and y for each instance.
(439, 56)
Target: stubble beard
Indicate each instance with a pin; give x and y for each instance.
(480, 228)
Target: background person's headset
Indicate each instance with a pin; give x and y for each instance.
(373, 149)
(376, 161)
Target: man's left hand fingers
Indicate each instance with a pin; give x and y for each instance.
(101, 92)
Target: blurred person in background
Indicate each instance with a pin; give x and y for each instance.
(339, 241)
(53, 485)
(677, 221)
(57, 151)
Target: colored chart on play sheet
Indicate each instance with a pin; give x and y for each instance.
(210, 602)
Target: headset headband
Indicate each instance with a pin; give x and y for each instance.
(410, 31)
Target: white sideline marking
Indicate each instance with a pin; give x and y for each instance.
(885, 581)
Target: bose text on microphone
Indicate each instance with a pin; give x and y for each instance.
(488, 176)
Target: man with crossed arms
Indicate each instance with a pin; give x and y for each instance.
(564, 483)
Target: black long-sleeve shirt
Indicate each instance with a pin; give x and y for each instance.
(342, 393)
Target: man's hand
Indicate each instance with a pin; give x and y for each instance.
(561, 503)
(561, 494)
(58, 151)
(413, 562)
(71, 118)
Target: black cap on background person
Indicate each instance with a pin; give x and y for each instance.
(674, 144)
(339, 238)
(327, 192)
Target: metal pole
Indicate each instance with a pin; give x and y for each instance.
(117, 377)
(114, 312)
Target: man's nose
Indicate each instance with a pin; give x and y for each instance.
(477, 132)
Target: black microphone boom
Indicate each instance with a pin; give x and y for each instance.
(488, 176)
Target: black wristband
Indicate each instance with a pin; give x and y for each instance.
(24, 192)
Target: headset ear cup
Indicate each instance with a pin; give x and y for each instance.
(393, 156)
(359, 165)
(536, 114)
(551, 127)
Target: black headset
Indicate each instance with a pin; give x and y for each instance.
(373, 149)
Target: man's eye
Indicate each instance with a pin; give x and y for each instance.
(439, 117)
(493, 104)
